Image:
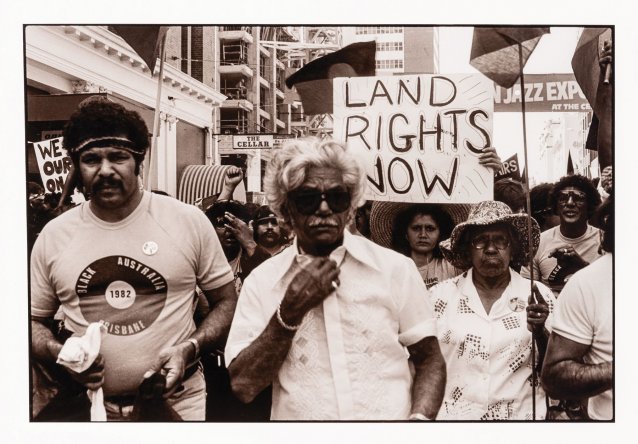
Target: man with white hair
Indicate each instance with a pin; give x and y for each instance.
(327, 321)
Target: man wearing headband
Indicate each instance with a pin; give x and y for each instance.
(328, 320)
(267, 232)
(573, 244)
(130, 260)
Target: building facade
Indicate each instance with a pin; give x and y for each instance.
(217, 81)
(400, 49)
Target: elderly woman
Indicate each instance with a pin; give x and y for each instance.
(328, 320)
(415, 230)
(485, 318)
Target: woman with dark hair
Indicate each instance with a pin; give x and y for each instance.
(416, 230)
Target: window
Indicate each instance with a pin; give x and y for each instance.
(359, 30)
(390, 46)
(389, 64)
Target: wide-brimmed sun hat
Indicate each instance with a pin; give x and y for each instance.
(384, 214)
(486, 213)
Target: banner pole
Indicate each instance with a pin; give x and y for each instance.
(152, 158)
(529, 224)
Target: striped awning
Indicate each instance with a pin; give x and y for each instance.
(201, 181)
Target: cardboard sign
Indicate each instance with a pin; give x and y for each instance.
(418, 136)
(54, 164)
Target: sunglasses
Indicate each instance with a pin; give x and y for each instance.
(481, 242)
(219, 221)
(308, 201)
(578, 197)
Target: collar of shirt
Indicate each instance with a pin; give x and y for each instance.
(352, 247)
(505, 304)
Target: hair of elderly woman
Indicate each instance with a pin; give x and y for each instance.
(403, 220)
(291, 163)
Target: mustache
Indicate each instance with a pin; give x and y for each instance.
(106, 183)
(324, 223)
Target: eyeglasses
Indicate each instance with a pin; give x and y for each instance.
(578, 197)
(482, 241)
(308, 201)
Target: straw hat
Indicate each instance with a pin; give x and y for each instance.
(485, 213)
(383, 216)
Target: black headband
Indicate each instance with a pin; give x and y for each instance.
(106, 142)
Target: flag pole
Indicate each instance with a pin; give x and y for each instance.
(529, 224)
(152, 158)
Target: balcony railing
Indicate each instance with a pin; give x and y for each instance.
(235, 93)
(247, 29)
(235, 54)
(233, 127)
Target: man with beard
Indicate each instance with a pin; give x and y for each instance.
(573, 244)
(267, 231)
(131, 260)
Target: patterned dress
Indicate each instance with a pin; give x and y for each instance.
(488, 356)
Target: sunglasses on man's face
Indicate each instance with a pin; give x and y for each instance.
(308, 201)
(578, 197)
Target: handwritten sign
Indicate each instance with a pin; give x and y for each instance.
(54, 163)
(418, 136)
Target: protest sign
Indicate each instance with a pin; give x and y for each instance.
(54, 164)
(510, 170)
(418, 136)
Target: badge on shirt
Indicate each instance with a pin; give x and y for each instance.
(150, 248)
(517, 304)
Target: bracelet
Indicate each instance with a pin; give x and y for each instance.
(418, 417)
(282, 323)
(195, 343)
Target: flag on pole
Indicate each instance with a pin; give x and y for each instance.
(570, 164)
(510, 169)
(495, 51)
(590, 77)
(313, 81)
(144, 40)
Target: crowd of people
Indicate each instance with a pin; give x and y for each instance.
(319, 305)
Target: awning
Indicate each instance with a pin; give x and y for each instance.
(201, 181)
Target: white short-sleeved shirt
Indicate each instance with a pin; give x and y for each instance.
(488, 356)
(138, 276)
(359, 370)
(584, 314)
